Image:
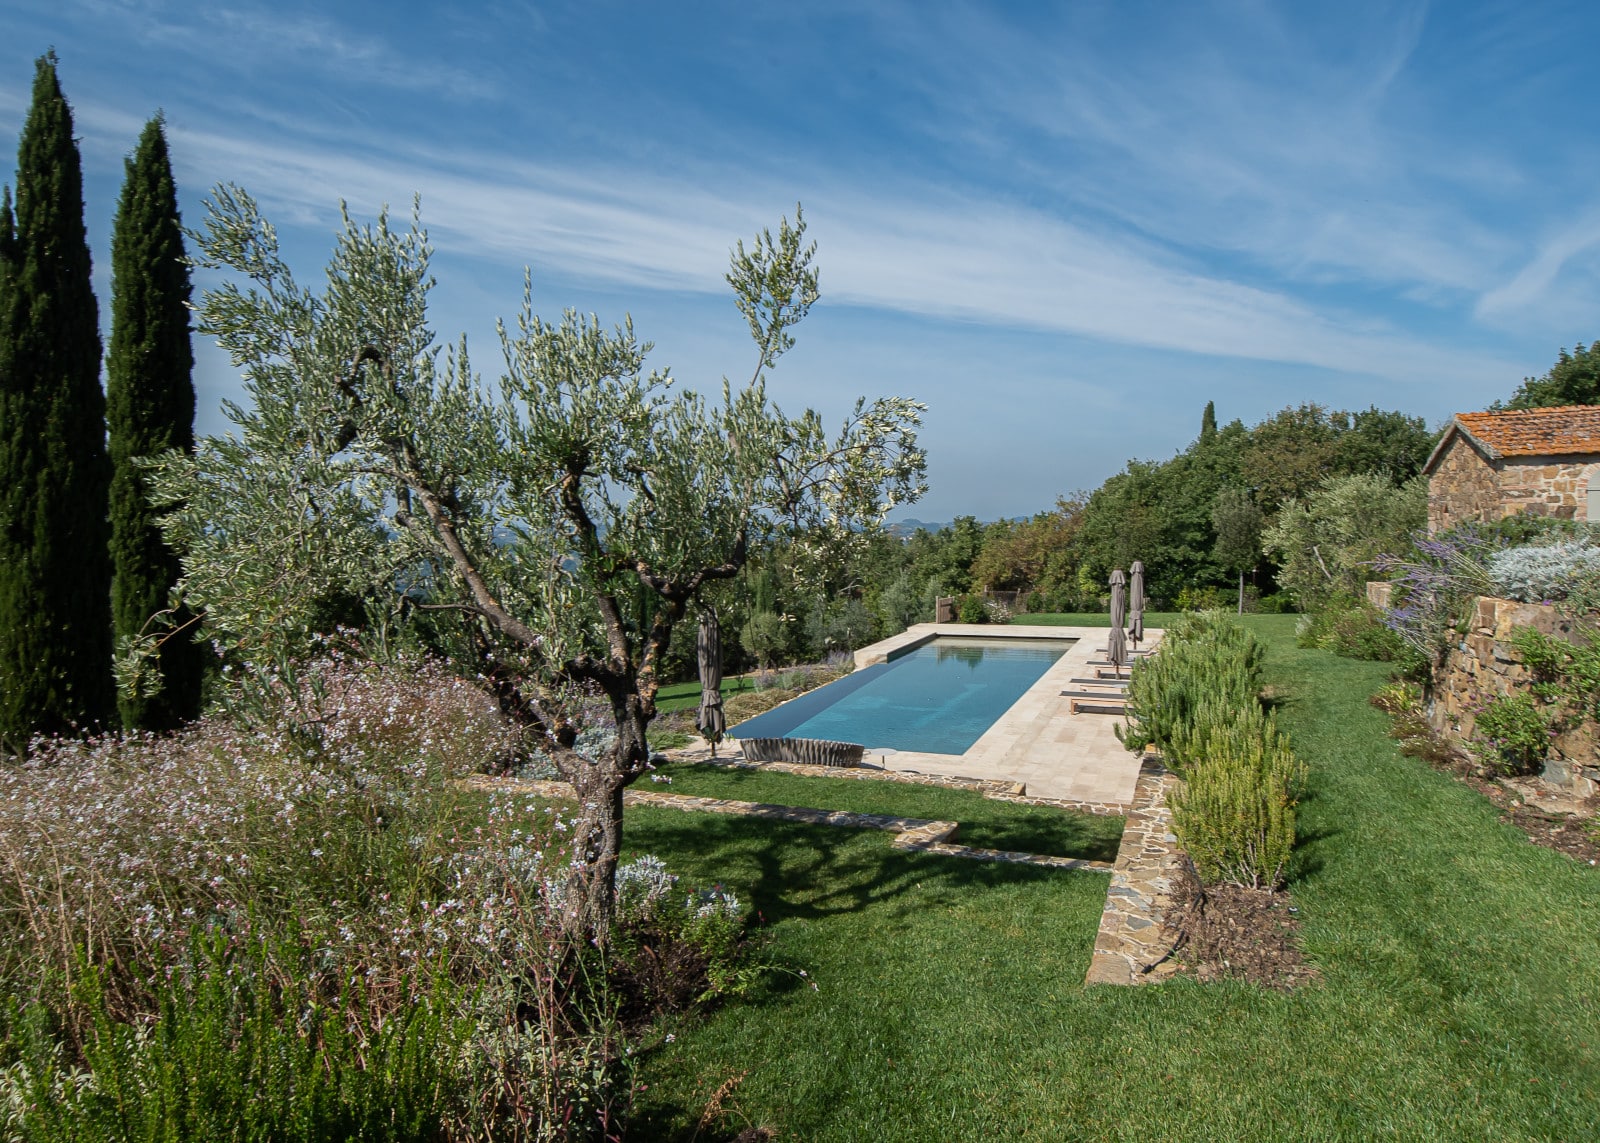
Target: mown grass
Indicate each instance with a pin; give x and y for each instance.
(686, 696)
(1154, 619)
(985, 823)
(1460, 976)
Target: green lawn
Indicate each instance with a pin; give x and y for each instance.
(985, 823)
(1090, 619)
(686, 696)
(1461, 977)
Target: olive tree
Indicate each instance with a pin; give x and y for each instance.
(568, 515)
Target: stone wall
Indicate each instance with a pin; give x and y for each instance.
(1484, 666)
(1465, 485)
(1545, 486)
(1461, 487)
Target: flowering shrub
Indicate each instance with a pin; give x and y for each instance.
(326, 844)
(1355, 629)
(642, 885)
(674, 948)
(1435, 583)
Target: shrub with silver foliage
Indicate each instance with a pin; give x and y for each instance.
(1538, 574)
(642, 884)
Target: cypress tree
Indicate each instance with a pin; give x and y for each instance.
(150, 409)
(55, 566)
(1208, 423)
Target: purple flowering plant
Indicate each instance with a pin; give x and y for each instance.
(1434, 583)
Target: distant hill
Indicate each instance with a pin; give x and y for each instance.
(909, 527)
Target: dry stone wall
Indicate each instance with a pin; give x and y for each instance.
(1483, 666)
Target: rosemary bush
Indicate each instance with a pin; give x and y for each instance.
(1205, 658)
(1235, 812)
(1198, 702)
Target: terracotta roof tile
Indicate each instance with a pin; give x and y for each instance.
(1559, 431)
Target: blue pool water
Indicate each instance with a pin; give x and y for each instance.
(938, 698)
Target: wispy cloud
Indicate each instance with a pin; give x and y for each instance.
(1223, 130)
(255, 37)
(904, 249)
(1573, 252)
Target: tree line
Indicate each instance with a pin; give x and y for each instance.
(83, 566)
(1201, 521)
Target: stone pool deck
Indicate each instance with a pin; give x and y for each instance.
(1055, 754)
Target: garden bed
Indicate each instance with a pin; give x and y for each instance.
(1575, 834)
(1228, 932)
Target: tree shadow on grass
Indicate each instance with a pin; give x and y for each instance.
(787, 870)
(983, 823)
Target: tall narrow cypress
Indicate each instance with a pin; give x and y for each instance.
(150, 409)
(55, 566)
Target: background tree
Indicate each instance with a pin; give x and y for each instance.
(55, 569)
(1208, 423)
(569, 519)
(1573, 380)
(1326, 542)
(1237, 521)
(149, 409)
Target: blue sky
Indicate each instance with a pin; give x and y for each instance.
(1063, 227)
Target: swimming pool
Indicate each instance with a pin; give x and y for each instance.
(937, 698)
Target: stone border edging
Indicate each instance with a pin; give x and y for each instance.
(1135, 943)
(916, 834)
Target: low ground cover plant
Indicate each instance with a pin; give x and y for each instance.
(1511, 735)
(1543, 572)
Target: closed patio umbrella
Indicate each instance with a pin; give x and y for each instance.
(712, 722)
(1117, 638)
(1136, 603)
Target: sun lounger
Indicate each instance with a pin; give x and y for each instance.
(1102, 681)
(1104, 701)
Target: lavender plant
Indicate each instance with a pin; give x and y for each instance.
(1435, 583)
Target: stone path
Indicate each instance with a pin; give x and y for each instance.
(916, 834)
(996, 789)
(1135, 942)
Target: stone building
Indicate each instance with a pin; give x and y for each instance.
(1490, 465)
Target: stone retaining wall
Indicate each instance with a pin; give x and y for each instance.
(1135, 941)
(1483, 666)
